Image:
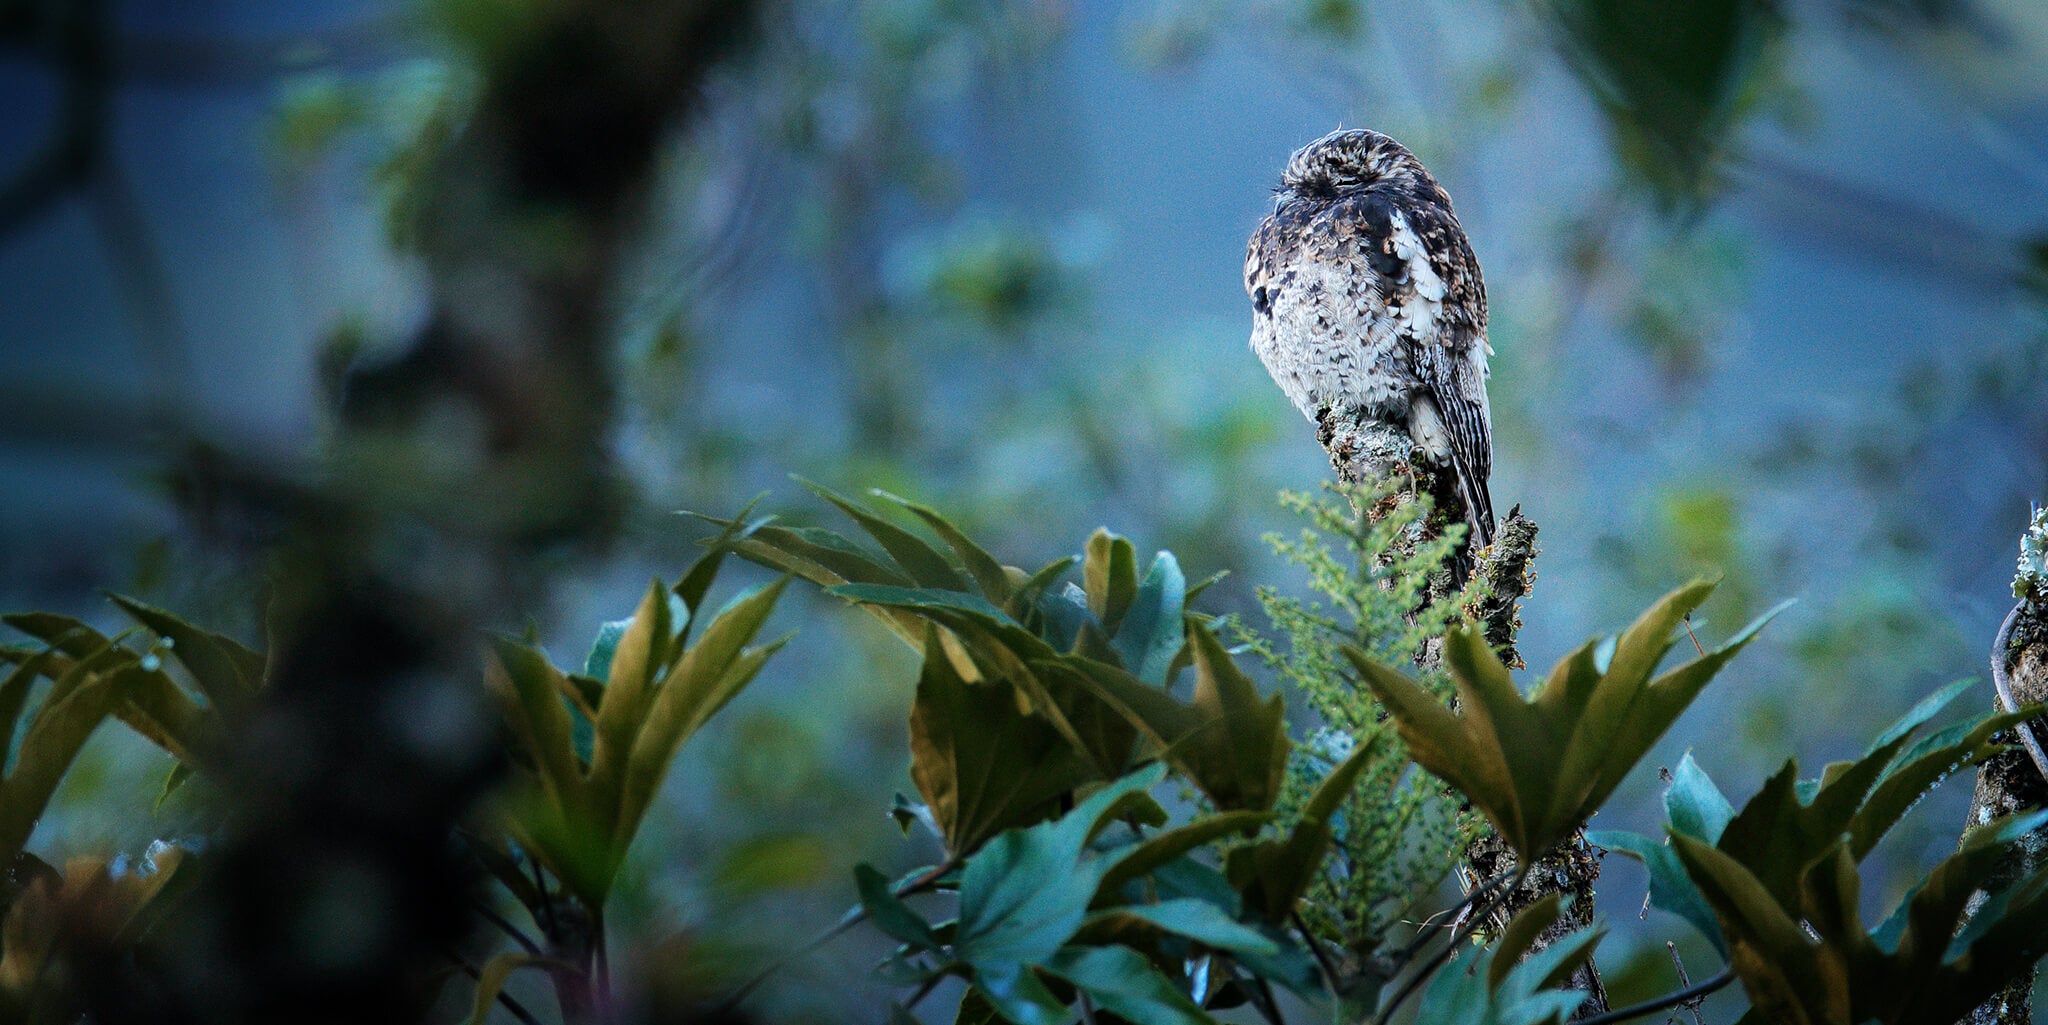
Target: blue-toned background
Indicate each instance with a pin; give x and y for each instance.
(988, 255)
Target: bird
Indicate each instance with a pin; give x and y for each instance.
(1367, 304)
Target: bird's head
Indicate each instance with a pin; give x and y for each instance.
(1350, 158)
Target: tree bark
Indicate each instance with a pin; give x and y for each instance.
(2012, 782)
(1370, 452)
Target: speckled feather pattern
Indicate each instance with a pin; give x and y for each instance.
(1367, 301)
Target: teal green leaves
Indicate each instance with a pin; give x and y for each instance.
(1507, 985)
(1538, 767)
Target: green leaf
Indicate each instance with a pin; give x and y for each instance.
(1027, 890)
(1521, 935)
(1198, 920)
(987, 572)
(1110, 578)
(925, 566)
(1670, 888)
(76, 703)
(1694, 804)
(890, 914)
(1122, 982)
(923, 599)
(1152, 632)
(224, 669)
(598, 664)
(982, 764)
(1161, 848)
(1240, 755)
(1541, 766)
(1015, 992)
(709, 674)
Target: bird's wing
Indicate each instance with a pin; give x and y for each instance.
(1430, 281)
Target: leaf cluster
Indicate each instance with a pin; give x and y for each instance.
(1775, 886)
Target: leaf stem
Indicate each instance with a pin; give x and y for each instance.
(1690, 993)
(1315, 947)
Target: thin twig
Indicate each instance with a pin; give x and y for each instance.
(509, 929)
(2003, 684)
(1690, 993)
(1436, 961)
(1450, 914)
(1315, 947)
(518, 1009)
(1269, 1006)
(1687, 621)
(1692, 1005)
(924, 989)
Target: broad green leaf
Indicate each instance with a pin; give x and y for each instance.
(710, 674)
(70, 636)
(1152, 633)
(636, 662)
(1539, 767)
(921, 599)
(981, 763)
(1119, 980)
(1240, 765)
(1670, 888)
(1198, 920)
(1695, 806)
(225, 670)
(696, 581)
(74, 706)
(1917, 771)
(1016, 993)
(532, 688)
(1026, 892)
(889, 913)
(1521, 934)
(924, 565)
(1780, 966)
(1160, 848)
(598, 664)
(987, 572)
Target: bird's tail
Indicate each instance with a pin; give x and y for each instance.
(1478, 515)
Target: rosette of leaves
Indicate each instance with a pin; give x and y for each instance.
(1031, 689)
(1775, 886)
(1083, 907)
(92, 676)
(594, 747)
(1539, 766)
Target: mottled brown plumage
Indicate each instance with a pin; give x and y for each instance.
(1367, 304)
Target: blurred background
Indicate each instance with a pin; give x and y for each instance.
(515, 281)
